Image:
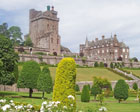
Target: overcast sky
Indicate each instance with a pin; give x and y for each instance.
(81, 18)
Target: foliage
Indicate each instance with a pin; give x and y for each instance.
(4, 30)
(111, 65)
(15, 34)
(28, 42)
(96, 64)
(121, 90)
(85, 96)
(44, 82)
(134, 59)
(40, 58)
(65, 82)
(8, 59)
(29, 75)
(101, 64)
(40, 53)
(121, 74)
(135, 86)
(100, 97)
(77, 88)
(95, 90)
(16, 72)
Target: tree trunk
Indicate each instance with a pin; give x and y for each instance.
(43, 95)
(30, 92)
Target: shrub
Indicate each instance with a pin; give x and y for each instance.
(77, 88)
(135, 86)
(111, 65)
(65, 82)
(44, 82)
(121, 90)
(101, 64)
(95, 90)
(85, 96)
(96, 64)
(29, 75)
(100, 97)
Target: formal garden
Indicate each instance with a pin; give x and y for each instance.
(56, 88)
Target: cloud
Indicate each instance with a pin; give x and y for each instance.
(81, 18)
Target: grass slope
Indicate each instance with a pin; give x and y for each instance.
(87, 74)
(135, 71)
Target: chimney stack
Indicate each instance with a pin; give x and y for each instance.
(96, 39)
(52, 8)
(103, 37)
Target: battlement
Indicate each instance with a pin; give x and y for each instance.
(49, 14)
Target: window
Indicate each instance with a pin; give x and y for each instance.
(123, 50)
(116, 50)
(122, 56)
(98, 51)
(126, 56)
(102, 45)
(106, 44)
(102, 51)
(107, 50)
(94, 46)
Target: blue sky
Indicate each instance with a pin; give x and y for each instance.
(81, 18)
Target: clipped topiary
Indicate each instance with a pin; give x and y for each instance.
(95, 90)
(135, 86)
(77, 88)
(29, 76)
(121, 90)
(111, 65)
(96, 64)
(85, 96)
(101, 64)
(44, 82)
(64, 87)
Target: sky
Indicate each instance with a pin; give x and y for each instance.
(82, 18)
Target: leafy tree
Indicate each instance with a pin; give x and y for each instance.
(101, 64)
(134, 59)
(85, 96)
(8, 59)
(28, 42)
(135, 86)
(95, 90)
(121, 90)
(15, 35)
(4, 30)
(77, 87)
(96, 64)
(100, 97)
(16, 72)
(88, 86)
(44, 82)
(111, 65)
(29, 75)
(65, 82)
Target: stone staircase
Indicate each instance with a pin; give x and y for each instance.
(129, 75)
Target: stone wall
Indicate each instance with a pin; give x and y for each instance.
(113, 83)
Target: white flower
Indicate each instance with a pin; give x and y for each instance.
(57, 102)
(103, 109)
(44, 103)
(70, 96)
(29, 106)
(71, 105)
(11, 101)
(2, 101)
(65, 107)
(5, 107)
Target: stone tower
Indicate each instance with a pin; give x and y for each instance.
(43, 30)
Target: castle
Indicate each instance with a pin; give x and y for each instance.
(43, 30)
(106, 49)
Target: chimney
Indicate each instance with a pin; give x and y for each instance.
(115, 36)
(52, 8)
(96, 39)
(48, 8)
(103, 37)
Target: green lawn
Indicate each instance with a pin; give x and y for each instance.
(135, 71)
(130, 105)
(87, 74)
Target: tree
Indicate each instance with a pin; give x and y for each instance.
(85, 96)
(135, 86)
(15, 35)
(96, 64)
(111, 65)
(101, 64)
(135, 59)
(77, 88)
(95, 90)
(65, 82)
(121, 90)
(29, 75)
(8, 59)
(28, 42)
(4, 30)
(44, 82)
(16, 72)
